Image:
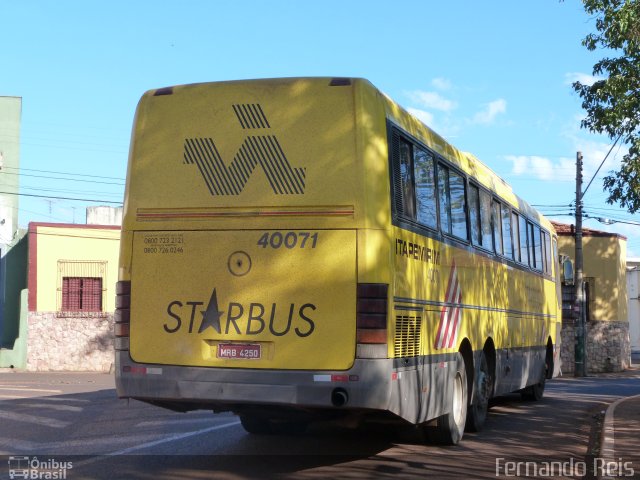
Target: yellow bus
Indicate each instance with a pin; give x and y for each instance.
(305, 249)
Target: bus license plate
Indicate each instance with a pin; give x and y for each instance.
(239, 352)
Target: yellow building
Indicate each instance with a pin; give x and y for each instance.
(608, 346)
(72, 272)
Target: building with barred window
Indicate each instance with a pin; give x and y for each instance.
(72, 274)
(605, 293)
(66, 319)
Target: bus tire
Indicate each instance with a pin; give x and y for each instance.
(479, 407)
(449, 427)
(534, 392)
(256, 425)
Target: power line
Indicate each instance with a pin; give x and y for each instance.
(40, 214)
(601, 164)
(553, 205)
(79, 225)
(62, 190)
(600, 219)
(64, 173)
(61, 178)
(92, 200)
(610, 218)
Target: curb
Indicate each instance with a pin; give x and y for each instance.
(607, 442)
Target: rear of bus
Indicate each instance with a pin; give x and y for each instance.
(254, 222)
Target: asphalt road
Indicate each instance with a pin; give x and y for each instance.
(61, 418)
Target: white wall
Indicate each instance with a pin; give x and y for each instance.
(633, 290)
(104, 215)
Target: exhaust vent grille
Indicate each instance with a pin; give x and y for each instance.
(407, 339)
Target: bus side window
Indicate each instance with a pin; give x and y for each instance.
(515, 225)
(535, 234)
(407, 208)
(457, 189)
(474, 214)
(506, 232)
(524, 248)
(545, 254)
(556, 264)
(548, 266)
(485, 220)
(530, 238)
(444, 197)
(497, 226)
(425, 178)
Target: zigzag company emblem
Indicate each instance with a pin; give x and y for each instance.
(256, 150)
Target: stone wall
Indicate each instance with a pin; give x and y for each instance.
(608, 347)
(61, 343)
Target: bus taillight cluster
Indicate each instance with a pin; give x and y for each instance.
(371, 320)
(122, 315)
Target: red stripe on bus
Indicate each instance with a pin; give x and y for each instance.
(244, 214)
(449, 314)
(456, 317)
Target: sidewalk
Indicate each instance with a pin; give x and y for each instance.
(620, 446)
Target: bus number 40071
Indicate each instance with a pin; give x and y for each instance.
(288, 240)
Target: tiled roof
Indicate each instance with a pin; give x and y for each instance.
(566, 230)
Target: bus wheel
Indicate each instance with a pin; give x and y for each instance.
(477, 413)
(256, 425)
(534, 392)
(449, 427)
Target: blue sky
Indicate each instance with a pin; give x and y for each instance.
(492, 77)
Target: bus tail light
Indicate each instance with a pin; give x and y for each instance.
(371, 320)
(122, 315)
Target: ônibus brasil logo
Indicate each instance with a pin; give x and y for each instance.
(34, 468)
(256, 150)
(254, 318)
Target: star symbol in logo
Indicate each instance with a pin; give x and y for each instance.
(211, 316)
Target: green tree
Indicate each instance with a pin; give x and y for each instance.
(612, 103)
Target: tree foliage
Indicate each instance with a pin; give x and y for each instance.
(612, 103)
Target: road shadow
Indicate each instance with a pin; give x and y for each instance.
(555, 429)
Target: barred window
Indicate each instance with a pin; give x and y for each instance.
(81, 294)
(81, 286)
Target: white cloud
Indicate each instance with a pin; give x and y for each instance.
(563, 169)
(432, 100)
(520, 164)
(594, 149)
(490, 112)
(595, 152)
(542, 168)
(422, 115)
(441, 84)
(583, 78)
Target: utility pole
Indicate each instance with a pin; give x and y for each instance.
(580, 347)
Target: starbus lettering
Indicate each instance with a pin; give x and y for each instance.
(417, 252)
(240, 319)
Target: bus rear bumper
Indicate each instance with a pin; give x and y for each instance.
(367, 385)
